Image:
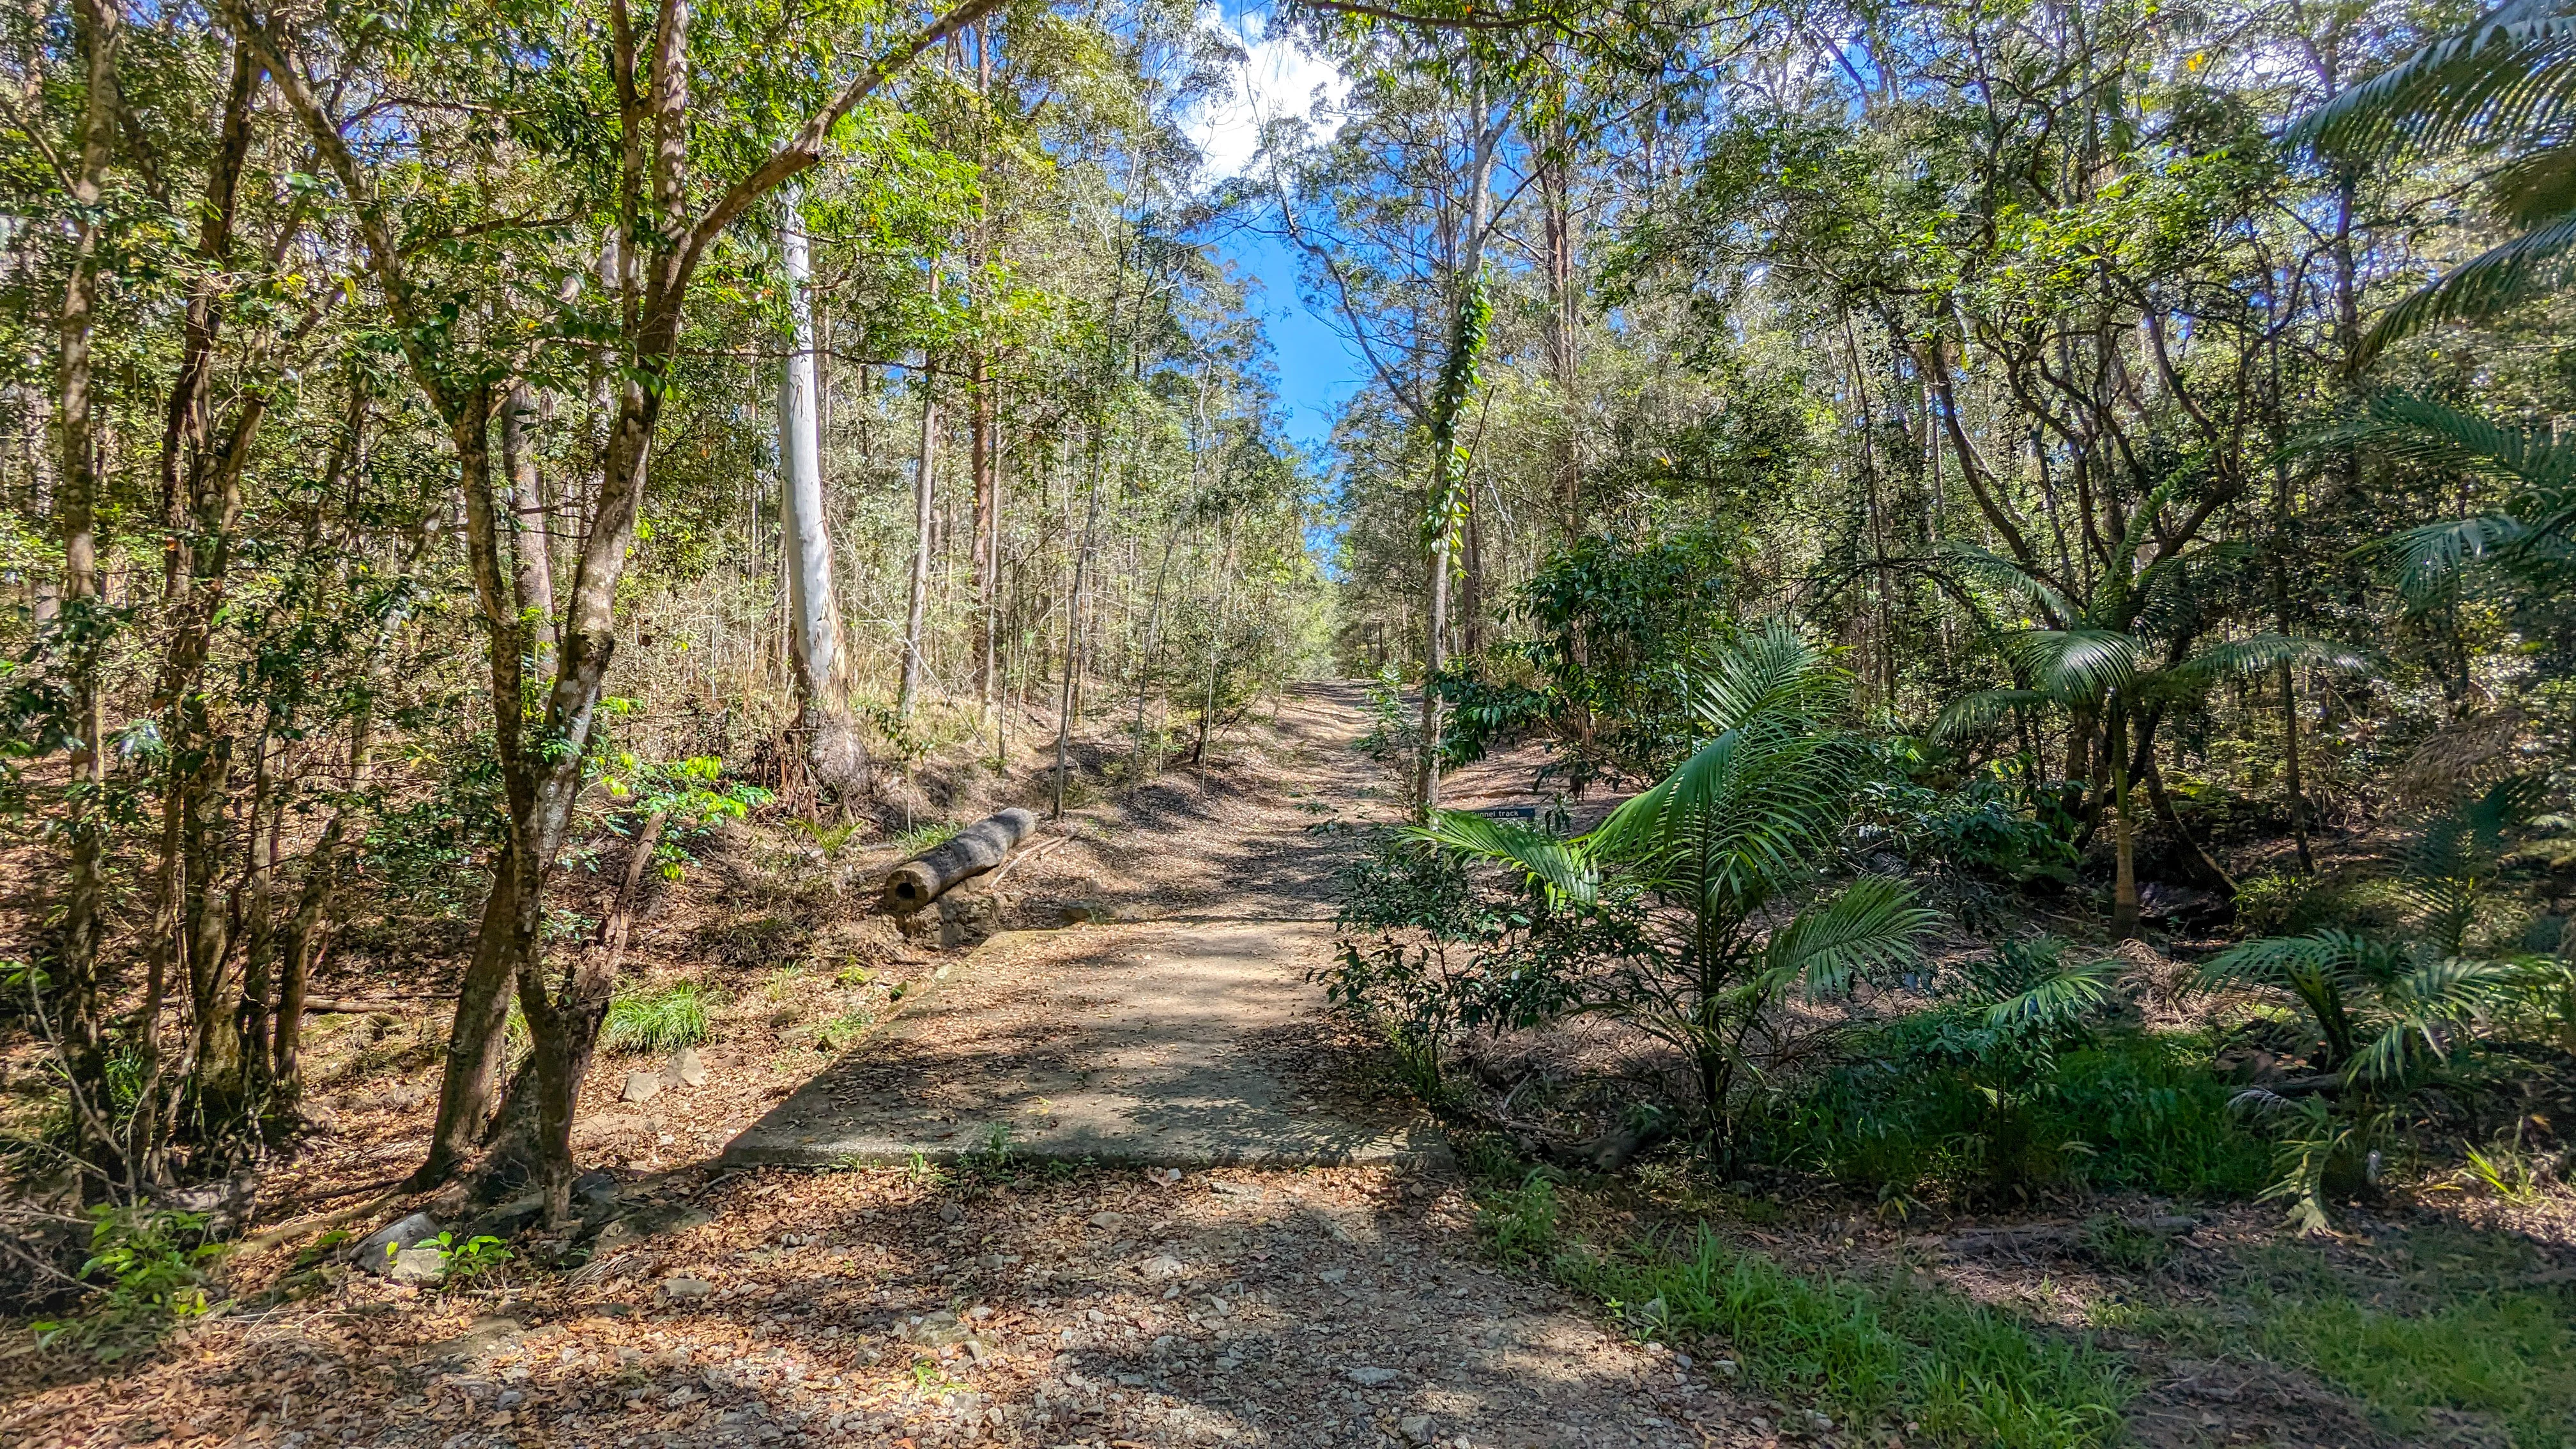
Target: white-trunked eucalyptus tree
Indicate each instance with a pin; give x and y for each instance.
(834, 751)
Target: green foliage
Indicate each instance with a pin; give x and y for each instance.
(470, 1261)
(844, 1030)
(1429, 949)
(2430, 1326)
(151, 1265)
(1742, 827)
(661, 1020)
(2388, 1014)
(691, 795)
(1619, 629)
(1965, 1373)
(1522, 1222)
(1914, 1116)
(1994, 825)
(1395, 729)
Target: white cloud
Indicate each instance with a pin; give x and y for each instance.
(1276, 79)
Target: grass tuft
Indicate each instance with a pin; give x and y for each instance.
(926, 836)
(659, 1021)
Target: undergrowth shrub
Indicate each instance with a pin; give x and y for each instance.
(150, 1265)
(2133, 1110)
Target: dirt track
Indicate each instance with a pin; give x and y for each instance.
(1017, 1301)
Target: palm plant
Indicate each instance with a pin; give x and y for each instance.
(2529, 535)
(2096, 663)
(2503, 85)
(2386, 1012)
(1717, 868)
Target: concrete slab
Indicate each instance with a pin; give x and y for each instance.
(1160, 1044)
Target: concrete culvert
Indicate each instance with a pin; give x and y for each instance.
(969, 853)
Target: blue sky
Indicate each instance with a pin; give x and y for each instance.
(1318, 370)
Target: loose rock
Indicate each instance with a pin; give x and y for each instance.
(375, 1253)
(419, 1265)
(641, 1087)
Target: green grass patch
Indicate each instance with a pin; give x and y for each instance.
(1963, 1373)
(925, 836)
(2445, 1322)
(659, 1021)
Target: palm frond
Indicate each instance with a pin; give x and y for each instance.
(2431, 556)
(2142, 522)
(1871, 928)
(1561, 865)
(1749, 811)
(2443, 992)
(2507, 75)
(2070, 993)
(1998, 572)
(2070, 665)
(2534, 264)
(2275, 961)
(2258, 653)
(1972, 712)
(1773, 674)
(2532, 188)
(2402, 427)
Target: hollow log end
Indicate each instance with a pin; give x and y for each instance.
(910, 888)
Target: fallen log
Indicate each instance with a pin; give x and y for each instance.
(970, 852)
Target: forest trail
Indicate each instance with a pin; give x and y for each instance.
(1184, 1033)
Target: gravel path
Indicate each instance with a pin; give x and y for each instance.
(1181, 1039)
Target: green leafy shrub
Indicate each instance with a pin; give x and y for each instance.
(1429, 948)
(2010, 830)
(659, 1021)
(151, 1265)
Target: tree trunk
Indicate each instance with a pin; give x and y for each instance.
(530, 528)
(539, 1104)
(986, 445)
(1073, 640)
(1440, 495)
(2124, 870)
(919, 599)
(81, 620)
(814, 608)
